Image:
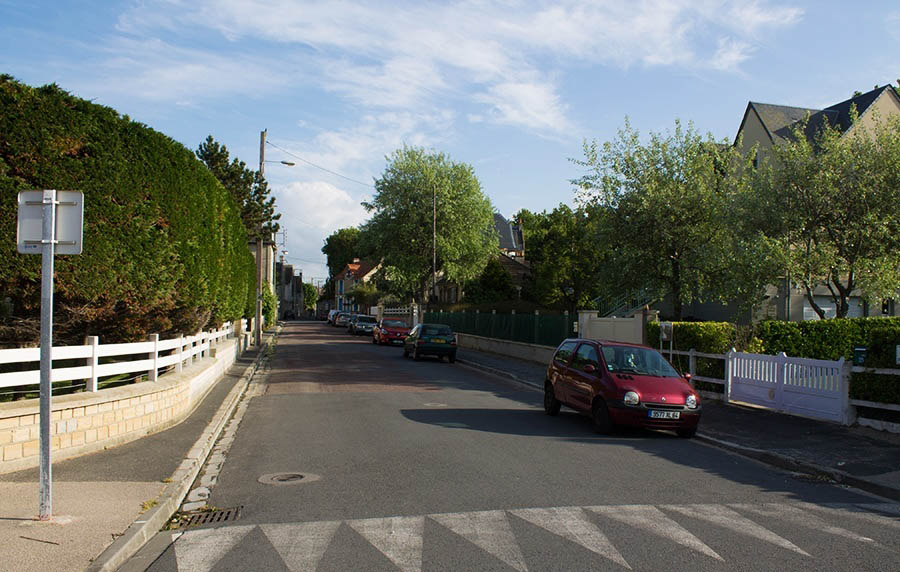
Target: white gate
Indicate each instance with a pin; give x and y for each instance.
(808, 387)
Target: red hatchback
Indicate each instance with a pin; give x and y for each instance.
(390, 331)
(617, 383)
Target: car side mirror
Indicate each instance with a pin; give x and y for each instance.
(687, 377)
(590, 368)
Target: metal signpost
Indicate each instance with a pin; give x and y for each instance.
(50, 222)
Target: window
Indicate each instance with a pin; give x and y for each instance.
(340, 286)
(437, 331)
(586, 355)
(564, 352)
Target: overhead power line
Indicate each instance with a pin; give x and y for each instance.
(299, 158)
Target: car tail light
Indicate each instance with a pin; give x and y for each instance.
(420, 342)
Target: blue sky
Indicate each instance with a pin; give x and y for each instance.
(512, 88)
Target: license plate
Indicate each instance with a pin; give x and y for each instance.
(654, 414)
(438, 341)
(396, 341)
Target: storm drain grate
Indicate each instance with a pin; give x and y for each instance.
(209, 517)
(816, 478)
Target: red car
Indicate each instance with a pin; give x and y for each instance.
(617, 383)
(390, 331)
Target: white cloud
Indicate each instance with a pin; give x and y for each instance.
(533, 105)
(730, 55)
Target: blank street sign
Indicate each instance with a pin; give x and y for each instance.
(69, 217)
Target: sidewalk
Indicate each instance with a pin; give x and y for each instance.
(113, 494)
(856, 456)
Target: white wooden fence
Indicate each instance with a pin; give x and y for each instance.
(143, 358)
(812, 388)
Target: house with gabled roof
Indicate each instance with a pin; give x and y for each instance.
(767, 125)
(346, 280)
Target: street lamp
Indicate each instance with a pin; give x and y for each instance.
(259, 242)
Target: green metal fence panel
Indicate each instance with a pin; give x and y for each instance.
(546, 330)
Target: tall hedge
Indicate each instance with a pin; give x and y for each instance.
(164, 247)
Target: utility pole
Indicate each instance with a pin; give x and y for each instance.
(433, 240)
(259, 243)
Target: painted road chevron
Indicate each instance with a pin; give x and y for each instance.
(403, 539)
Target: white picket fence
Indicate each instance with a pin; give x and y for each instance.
(800, 386)
(142, 358)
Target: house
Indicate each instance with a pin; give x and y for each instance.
(356, 272)
(512, 242)
(289, 288)
(767, 125)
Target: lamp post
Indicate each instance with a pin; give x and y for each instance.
(259, 241)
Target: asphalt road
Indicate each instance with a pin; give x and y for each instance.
(432, 466)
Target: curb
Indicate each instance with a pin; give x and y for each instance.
(169, 501)
(792, 464)
(768, 457)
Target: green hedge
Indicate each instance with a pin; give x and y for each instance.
(164, 247)
(820, 339)
(882, 347)
(878, 388)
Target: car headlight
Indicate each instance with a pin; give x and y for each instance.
(691, 402)
(631, 398)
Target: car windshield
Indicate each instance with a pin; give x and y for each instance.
(641, 361)
(365, 320)
(394, 324)
(436, 331)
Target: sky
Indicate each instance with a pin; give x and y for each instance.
(512, 88)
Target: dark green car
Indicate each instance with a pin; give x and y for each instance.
(431, 340)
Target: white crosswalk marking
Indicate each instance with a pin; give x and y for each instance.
(572, 524)
(727, 518)
(200, 550)
(488, 530)
(301, 546)
(655, 521)
(800, 517)
(400, 538)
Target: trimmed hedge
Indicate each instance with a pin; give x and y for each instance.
(820, 339)
(882, 347)
(878, 388)
(164, 246)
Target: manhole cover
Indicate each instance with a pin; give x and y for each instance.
(207, 517)
(288, 478)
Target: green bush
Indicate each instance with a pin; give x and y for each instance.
(882, 347)
(879, 388)
(820, 339)
(164, 246)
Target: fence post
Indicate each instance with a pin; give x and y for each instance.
(848, 411)
(692, 364)
(493, 322)
(566, 324)
(537, 327)
(152, 374)
(780, 377)
(729, 373)
(94, 342)
(512, 325)
(180, 364)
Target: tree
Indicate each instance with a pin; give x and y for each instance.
(248, 188)
(309, 296)
(494, 285)
(341, 247)
(365, 294)
(667, 204)
(829, 204)
(400, 228)
(567, 254)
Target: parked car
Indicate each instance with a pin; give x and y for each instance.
(331, 315)
(390, 331)
(362, 324)
(620, 384)
(342, 319)
(430, 339)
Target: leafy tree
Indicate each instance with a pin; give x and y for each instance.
(269, 305)
(365, 294)
(341, 247)
(309, 296)
(568, 255)
(666, 206)
(494, 285)
(829, 205)
(248, 188)
(400, 228)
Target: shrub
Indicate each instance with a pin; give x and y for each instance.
(820, 339)
(164, 246)
(882, 347)
(879, 388)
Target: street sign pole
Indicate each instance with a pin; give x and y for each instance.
(48, 243)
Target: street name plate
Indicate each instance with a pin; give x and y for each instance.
(69, 222)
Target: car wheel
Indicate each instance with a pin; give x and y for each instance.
(686, 432)
(451, 358)
(551, 403)
(600, 417)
